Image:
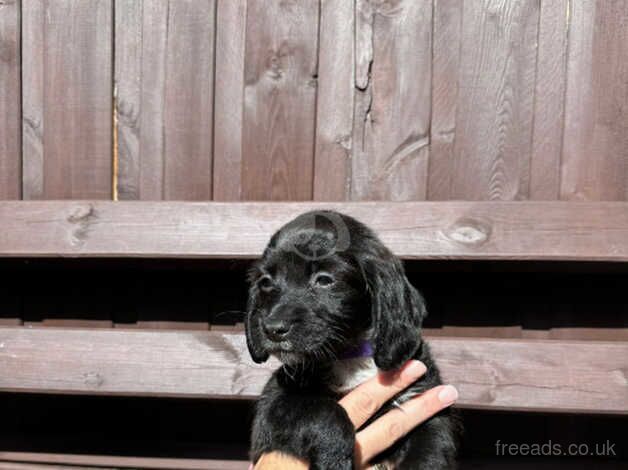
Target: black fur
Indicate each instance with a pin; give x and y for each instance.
(324, 284)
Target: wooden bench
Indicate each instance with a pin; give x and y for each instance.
(491, 373)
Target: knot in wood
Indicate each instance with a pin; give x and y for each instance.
(93, 379)
(469, 231)
(81, 214)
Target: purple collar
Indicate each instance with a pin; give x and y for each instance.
(364, 349)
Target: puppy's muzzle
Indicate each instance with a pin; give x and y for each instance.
(276, 329)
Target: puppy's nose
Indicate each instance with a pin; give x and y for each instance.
(276, 328)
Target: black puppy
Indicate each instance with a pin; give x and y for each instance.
(332, 302)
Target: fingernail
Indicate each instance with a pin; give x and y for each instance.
(414, 369)
(448, 395)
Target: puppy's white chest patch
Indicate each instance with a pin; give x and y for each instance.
(349, 373)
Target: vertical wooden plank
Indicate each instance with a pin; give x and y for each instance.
(76, 77)
(445, 66)
(229, 96)
(493, 141)
(549, 100)
(128, 82)
(33, 99)
(392, 122)
(189, 100)
(10, 112)
(164, 84)
(334, 101)
(152, 133)
(595, 143)
(280, 99)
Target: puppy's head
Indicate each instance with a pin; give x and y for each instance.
(325, 283)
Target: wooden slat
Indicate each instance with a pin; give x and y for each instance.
(549, 101)
(41, 461)
(164, 86)
(128, 85)
(67, 122)
(334, 101)
(151, 154)
(279, 100)
(392, 119)
(445, 65)
(44, 466)
(489, 373)
(413, 230)
(33, 99)
(188, 100)
(495, 102)
(10, 103)
(229, 95)
(595, 143)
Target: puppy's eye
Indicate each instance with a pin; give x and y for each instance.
(323, 280)
(265, 283)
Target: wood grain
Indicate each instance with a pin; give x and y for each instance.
(595, 143)
(392, 124)
(334, 101)
(67, 122)
(445, 66)
(489, 373)
(188, 100)
(229, 95)
(33, 100)
(413, 230)
(128, 86)
(164, 86)
(493, 140)
(10, 102)
(15, 459)
(549, 100)
(151, 155)
(280, 99)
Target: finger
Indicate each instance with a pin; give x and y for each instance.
(395, 424)
(276, 461)
(361, 403)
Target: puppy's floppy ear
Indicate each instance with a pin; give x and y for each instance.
(252, 326)
(258, 353)
(397, 308)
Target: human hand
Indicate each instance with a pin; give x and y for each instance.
(364, 401)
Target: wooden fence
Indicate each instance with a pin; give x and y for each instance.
(314, 100)
(502, 123)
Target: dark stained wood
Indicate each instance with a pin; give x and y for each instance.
(549, 101)
(33, 99)
(10, 103)
(72, 111)
(447, 29)
(188, 100)
(414, 230)
(129, 363)
(128, 86)
(334, 105)
(535, 375)
(164, 85)
(392, 120)
(13, 460)
(151, 101)
(489, 373)
(43, 466)
(595, 144)
(228, 102)
(493, 137)
(279, 100)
